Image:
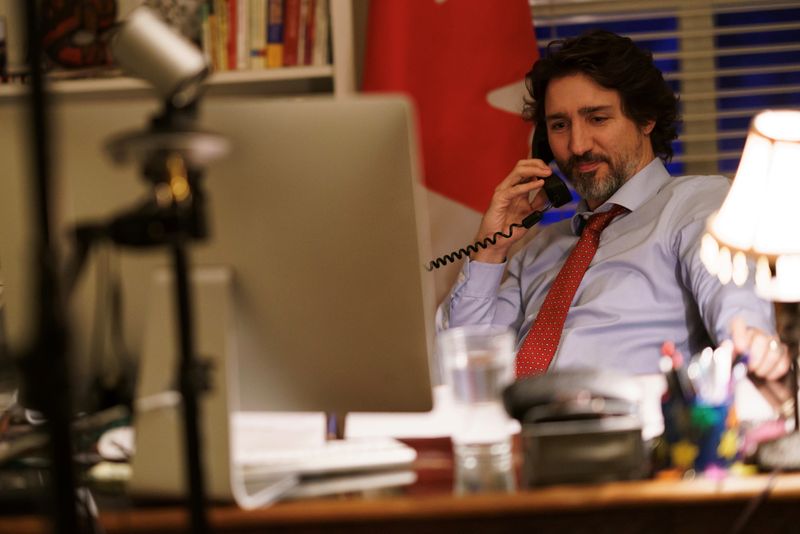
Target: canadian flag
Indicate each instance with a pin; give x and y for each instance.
(463, 62)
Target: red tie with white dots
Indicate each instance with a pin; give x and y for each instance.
(539, 347)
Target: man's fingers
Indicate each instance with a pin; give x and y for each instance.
(780, 369)
(768, 357)
(534, 162)
(774, 362)
(757, 349)
(741, 335)
(526, 187)
(524, 171)
(510, 196)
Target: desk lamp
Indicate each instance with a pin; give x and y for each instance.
(759, 221)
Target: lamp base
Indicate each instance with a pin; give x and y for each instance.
(782, 453)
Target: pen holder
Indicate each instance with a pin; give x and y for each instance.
(700, 436)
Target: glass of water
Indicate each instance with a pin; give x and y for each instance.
(477, 364)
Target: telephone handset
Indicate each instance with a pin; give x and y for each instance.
(555, 190)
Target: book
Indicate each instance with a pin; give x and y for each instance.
(308, 49)
(321, 34)
(213, 34)
(291, 32)
(301, 31)
(275, 33)
(257, 34)
(242, 34)
(233, 31)
(221, 36)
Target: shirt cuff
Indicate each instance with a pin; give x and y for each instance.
(482, 279)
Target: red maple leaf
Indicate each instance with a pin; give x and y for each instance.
(448, 56)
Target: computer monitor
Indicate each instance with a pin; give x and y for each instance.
(319, 212)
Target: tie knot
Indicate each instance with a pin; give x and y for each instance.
(598, 221)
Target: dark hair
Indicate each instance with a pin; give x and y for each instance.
(613, 62)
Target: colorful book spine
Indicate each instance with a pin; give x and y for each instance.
(213, 34)
(308, 50)
(275, 33)
(291, 32)
(231, 41)
(243, 34)
(301, 32)
(221, 38)
(258, 33)
(321, 34)
(254, 34)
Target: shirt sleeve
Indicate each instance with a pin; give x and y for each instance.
(479, 297)
(718, 304)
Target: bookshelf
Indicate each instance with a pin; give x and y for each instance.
(337, 78)
(289, 80)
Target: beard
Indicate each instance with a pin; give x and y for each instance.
(589, 185)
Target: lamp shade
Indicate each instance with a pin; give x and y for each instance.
(760, 217)
(146, 47)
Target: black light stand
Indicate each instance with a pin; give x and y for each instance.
(45, 364)
(171, 153)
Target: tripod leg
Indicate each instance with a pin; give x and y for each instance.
(189, 387)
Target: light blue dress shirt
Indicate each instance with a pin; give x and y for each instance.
(645, 285)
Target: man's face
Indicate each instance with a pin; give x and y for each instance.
(596, 146)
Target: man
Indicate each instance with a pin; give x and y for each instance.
(610, 120)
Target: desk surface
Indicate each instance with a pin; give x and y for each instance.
(651, 506)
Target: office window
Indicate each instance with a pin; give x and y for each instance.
(727, 61)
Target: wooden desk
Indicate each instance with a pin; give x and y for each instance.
(700, 506)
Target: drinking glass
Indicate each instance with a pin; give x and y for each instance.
(477, 364)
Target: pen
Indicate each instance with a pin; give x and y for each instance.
(671, 364)
(682, 377)
(673, 385)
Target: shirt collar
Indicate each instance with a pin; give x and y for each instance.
(640, 188)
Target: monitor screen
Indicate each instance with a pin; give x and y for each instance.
(317, 210)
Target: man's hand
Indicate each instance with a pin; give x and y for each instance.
(769, 358)
(510, 204)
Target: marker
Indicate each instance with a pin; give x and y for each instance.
(671, 364)
(673, 385)
(683, 378)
